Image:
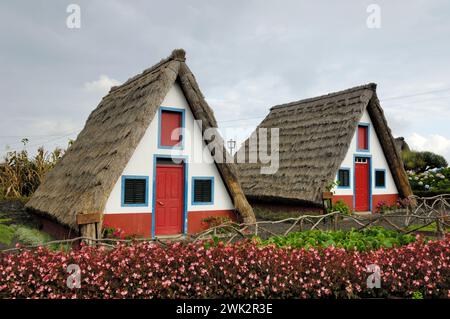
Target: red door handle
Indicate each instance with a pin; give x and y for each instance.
(160, 203)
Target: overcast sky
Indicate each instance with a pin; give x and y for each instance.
(247, 56)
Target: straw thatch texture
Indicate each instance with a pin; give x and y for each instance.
(401, 144)
(82, 181)
(314, 137)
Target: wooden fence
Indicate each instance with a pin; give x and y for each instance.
(420, 213)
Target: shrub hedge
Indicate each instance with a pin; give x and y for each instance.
(369, 238)
(241, 270)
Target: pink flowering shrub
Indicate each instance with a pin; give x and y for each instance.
(241, 270)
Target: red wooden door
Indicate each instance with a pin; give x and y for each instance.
(169, 199)
(362, 186)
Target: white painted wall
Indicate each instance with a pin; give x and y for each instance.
(141, 162)
(378, 161)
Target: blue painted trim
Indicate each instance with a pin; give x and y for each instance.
(375, 180)
(183, 124)
(194, 178)
(124, 177)
(368, 137)
(349, 178)
(185, 168)
(370, 179)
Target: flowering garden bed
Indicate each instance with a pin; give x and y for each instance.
(240, 270)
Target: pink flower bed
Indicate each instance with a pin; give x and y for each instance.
(241, 270)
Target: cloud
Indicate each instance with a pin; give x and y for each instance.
(267, 54)
(54, 126)
(434, 142)
(102, 85)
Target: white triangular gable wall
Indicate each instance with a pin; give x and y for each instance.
(141, 163)
(378, 162)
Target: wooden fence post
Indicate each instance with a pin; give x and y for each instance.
(88, 219)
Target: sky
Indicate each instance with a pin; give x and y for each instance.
(246, 55)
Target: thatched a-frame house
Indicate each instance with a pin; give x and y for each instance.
(342, 137)
(128, 167)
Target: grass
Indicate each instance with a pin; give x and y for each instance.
(431, 227)
(13, 230)
(27, 236)
(30, 236)
(6, 234)
(34, 237)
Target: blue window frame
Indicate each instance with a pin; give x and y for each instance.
(202, 190)
(134, 194)
(344, 178)
(367, 125)
(180, 145)
(380, 178)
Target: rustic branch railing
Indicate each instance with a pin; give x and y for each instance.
(424, 212)
(429, 206)
(232, 230)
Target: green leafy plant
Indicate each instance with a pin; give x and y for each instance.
(31, 236)
(331, 186)
(112, 232)
(417, 295)
(431, 227)
(214, 242)
(367, 239)
(27, 236)
(6, 234)
(341, 207)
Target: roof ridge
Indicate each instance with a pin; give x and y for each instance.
(176, 55)
(372, 86)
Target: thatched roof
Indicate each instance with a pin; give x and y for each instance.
(401, 144)
(83, 179)
(314, 137)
